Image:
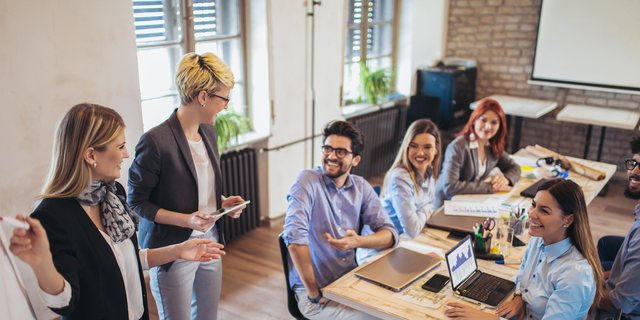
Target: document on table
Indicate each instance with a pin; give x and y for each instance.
(416, 295)
(471, 209)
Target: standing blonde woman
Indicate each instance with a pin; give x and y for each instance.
(175, 181)
(82, 243)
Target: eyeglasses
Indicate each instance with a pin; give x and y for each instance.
(340, 153)
(630, 164)
(226, 100)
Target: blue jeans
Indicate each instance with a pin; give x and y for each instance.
(190, 289)
(608, 248)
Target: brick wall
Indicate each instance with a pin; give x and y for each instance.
(501, 36)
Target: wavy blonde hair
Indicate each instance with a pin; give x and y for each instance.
(204, 72)
(83, 126)
(402, 159)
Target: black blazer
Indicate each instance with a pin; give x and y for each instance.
(86, 261)
(459, 170)
(163, 176)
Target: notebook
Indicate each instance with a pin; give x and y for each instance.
(398, 268)
(533, 189)
(469, 282)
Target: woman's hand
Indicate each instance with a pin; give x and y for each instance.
(31, 246)
(200, 250)
(500, 183)
(461, 311)
(515, 307)
(200, 221)
(231, 201)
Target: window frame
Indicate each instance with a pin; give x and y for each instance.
(364, 26)
(187, 41)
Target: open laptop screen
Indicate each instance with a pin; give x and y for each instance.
(461, 262)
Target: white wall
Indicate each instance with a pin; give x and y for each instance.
(54, 55)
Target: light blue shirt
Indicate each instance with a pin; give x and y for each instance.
(556, 281)
(408, 209)
(316, 207)
(624, 280)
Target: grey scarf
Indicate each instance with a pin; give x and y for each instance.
(118, 219)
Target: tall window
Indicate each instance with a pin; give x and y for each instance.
(166, 30)
(369, 37)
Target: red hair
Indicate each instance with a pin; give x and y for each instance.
(498, 141)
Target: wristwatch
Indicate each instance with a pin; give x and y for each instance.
(317, 299)
(518, 293)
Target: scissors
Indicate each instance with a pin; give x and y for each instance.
(489, 224)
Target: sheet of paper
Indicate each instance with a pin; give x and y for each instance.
(416, 295)
(471, 209)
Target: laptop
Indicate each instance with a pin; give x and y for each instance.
(398, 268)
(459, 225)
(533, 189)
(469, 282)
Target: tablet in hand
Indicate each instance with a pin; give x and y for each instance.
(222, 211)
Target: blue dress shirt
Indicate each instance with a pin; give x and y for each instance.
(408, 209)
(317, 206)
(624, 280)
(556, 281)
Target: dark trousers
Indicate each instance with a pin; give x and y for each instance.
(608, 248)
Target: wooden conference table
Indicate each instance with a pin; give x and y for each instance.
(377, 301)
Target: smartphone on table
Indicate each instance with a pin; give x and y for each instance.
(436, 283)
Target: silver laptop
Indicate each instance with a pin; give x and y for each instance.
(469, 282)
(461, 225)
(398, 268)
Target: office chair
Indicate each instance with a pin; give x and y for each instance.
(377, 190)
(292, 303)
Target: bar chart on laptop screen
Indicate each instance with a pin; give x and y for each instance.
(461, 263)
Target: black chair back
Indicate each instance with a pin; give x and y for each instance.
(292, 303)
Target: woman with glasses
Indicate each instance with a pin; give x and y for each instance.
(82, 243)
(560, 275)
(174, 184)
(408, 190)
(478, 148)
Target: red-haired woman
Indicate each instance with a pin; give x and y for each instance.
(477, 149)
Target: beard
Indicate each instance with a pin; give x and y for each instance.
(341, 170)
(635, 195)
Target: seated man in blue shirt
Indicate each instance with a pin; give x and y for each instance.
(623, 283)
(326, 207)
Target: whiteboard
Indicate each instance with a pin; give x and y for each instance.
(589, 42)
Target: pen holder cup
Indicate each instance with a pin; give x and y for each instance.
(519, 226)
(482, 245)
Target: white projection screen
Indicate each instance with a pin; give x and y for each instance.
(593, 43)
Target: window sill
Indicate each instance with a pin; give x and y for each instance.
(245, 140)
(359, 109)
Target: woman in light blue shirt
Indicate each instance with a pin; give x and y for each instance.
(560, 275)
(409, 186)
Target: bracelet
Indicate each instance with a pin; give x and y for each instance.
(317, 299)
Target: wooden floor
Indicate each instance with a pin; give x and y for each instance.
(253, 285)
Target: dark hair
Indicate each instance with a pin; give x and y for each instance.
(635, 145)
(345, 129)
(570, 199)
(498, 141)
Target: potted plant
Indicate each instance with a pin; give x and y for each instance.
(230, 125)
(376, 84)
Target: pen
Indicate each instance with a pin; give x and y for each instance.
(15, 223)
(508, 261)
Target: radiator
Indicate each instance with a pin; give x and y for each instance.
(384, 131)
(240, 177)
